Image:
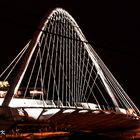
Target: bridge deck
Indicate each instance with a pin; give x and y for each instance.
(77, 120)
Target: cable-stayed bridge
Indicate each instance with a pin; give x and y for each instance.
(58, 82)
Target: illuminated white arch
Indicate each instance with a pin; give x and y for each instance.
(114, 90)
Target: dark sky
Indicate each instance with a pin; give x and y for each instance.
(111, 27)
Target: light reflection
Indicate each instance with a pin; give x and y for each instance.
(51, 111)
(68, 110)
(96, 111)
(83, 111)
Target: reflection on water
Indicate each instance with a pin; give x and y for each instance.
(76, 137)
(83, 137)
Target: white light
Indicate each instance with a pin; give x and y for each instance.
(51, 111)
(1, 101)
(36, 92)
(107, 112)
(83, 111)
(34, 112)
(122, 110)
(16, 102)
(96, 112)
(68, 110)
(21, 113)
(2, 93)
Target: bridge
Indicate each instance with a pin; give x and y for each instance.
(58, 83)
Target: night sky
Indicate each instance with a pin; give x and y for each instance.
(111, 27)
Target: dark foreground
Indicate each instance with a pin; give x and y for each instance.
(77, 136)
(88, 137)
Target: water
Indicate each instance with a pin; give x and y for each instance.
(83, 137)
